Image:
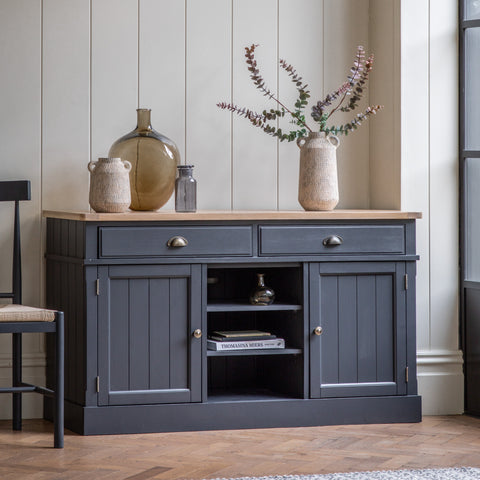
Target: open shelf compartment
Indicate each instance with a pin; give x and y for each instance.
(257, 373)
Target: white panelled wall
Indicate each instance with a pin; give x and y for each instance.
(429, 172)
(74, 71)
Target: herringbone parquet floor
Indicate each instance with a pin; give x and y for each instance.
(436, 442)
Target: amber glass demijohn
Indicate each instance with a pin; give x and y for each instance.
(154, 160)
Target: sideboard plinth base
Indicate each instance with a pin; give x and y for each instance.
(241, 415)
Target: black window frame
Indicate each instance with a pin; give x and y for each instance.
(464, 154)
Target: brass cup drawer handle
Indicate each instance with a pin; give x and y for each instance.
(177, 242)
(332, 241)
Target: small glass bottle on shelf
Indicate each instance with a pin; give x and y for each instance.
(262, 295)
(185, 190)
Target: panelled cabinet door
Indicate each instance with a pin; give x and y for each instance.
(360, 348)
(147, 353)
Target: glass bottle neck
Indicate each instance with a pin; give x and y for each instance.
(261, 280)
(185, 170)
(143, 119)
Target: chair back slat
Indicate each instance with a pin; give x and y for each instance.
(15, 191)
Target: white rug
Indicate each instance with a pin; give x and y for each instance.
(461, 473)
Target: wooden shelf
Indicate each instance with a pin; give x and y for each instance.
(246, 395)
(242, 306)
(264, 351)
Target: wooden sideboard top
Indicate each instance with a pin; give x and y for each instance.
(171, 215)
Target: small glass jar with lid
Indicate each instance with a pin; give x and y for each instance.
(185, 190)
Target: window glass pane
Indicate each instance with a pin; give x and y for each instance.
(472, 89)
(472, 9)
(472, 219)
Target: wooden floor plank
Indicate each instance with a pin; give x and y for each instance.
(435, 442)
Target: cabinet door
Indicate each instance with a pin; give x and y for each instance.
(361, 350)
(147, 353)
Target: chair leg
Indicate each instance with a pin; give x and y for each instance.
(17, 380)
(59, 381)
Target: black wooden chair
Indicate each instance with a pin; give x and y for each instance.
(16, 319)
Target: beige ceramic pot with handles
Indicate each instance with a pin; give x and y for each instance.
(109, 185)
(318, 179)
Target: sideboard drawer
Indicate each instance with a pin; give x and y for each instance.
(160, 241)
(315, 240)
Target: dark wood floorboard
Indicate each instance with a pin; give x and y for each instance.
(435, 442)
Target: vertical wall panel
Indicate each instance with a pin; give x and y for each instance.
(114, 60)
(162, 69)
(443, 172)
(209, 79)
(20, 114)
(429, 159)
(415, 148)
(301, 45)
(384, 89)
(20, 148)
(66, 103)
(254, 152)
(345, 27)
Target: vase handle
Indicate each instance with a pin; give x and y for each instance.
(91, 166)
(336, 140)
(127, 165)
(299, 142)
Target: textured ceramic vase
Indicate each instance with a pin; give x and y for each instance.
(109, 185)
(154, 160)
(318, 179)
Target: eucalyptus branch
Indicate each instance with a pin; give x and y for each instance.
(294, 77)
(354, 87)
(260, 83)
(255, 72)
(355, 122)
(260, 120)
(359, 86)
(255, 118)
(318, 110)
(356, 70)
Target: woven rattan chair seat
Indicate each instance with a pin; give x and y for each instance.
(22, 313)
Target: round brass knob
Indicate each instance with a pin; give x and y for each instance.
(197, 333)
(318, 330)
(177, 241)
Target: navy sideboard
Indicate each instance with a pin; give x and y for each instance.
(142, 290)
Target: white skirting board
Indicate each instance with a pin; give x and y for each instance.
(440, 381)
(439, 374)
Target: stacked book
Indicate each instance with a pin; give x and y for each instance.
(243, 340)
